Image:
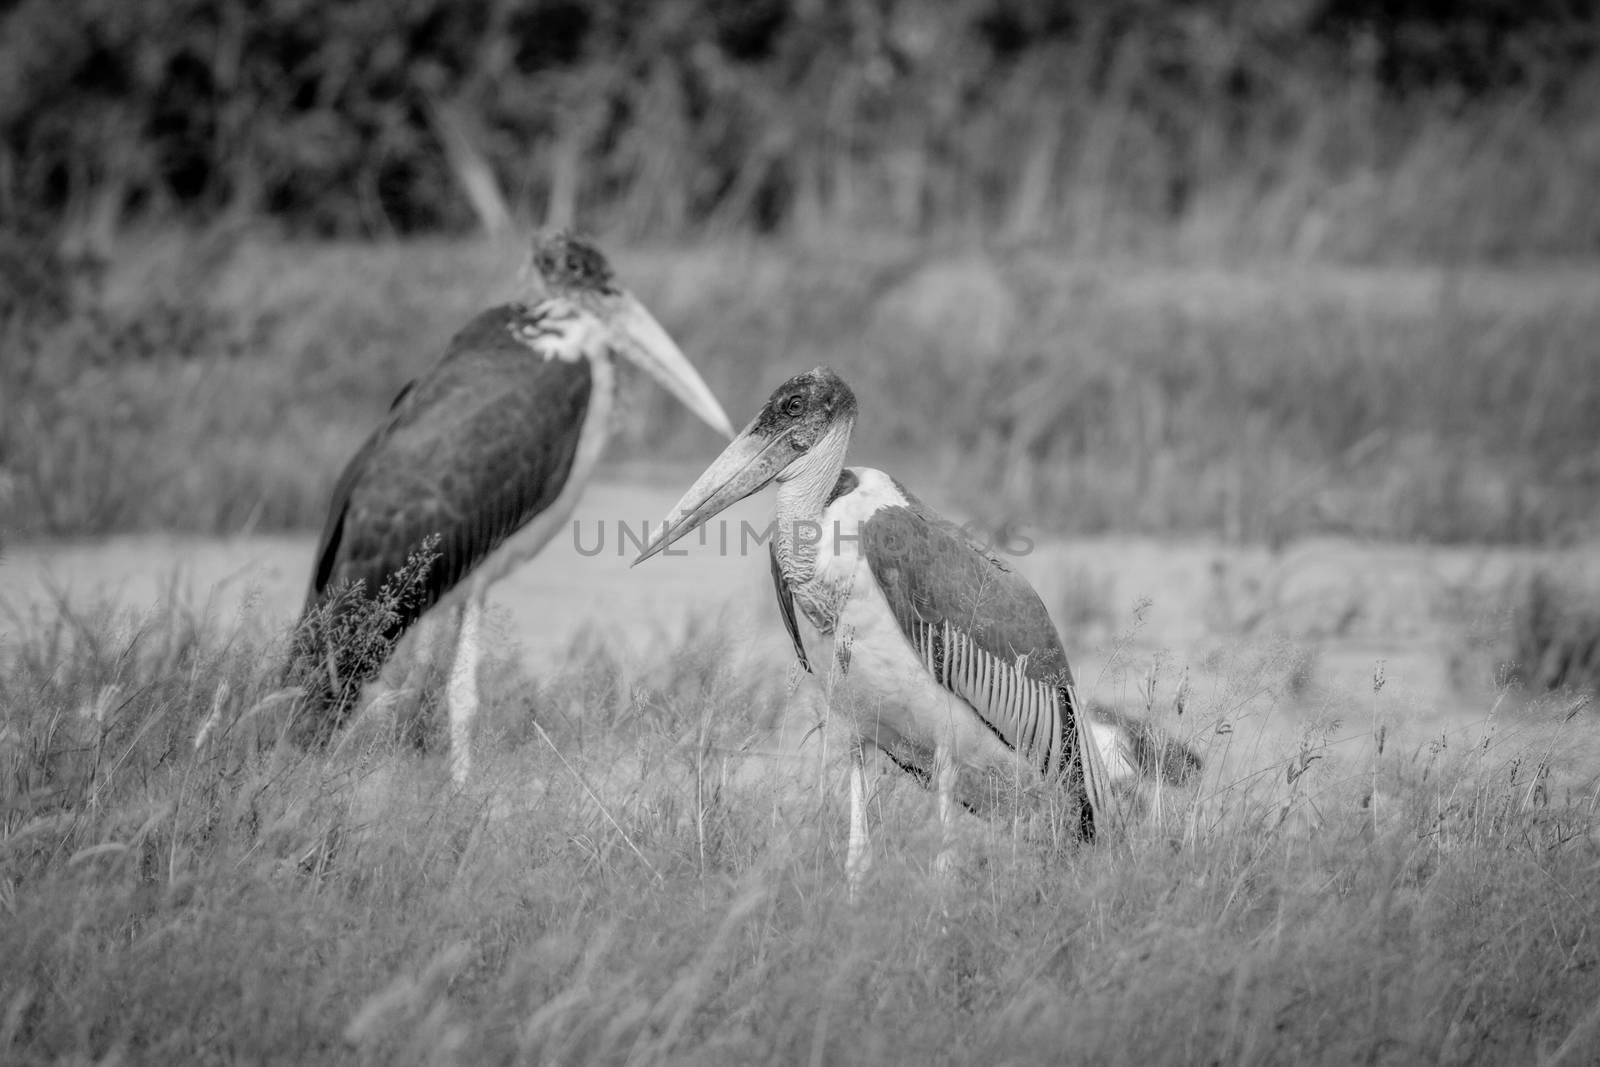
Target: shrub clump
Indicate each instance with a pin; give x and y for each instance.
(1556, 635)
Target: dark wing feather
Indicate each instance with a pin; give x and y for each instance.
(470, 452)
(984, 635)
(786, 606)
(475, 450)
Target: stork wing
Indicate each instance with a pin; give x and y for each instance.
(471, 452)
(984, 635)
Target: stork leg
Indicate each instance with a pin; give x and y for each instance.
(858, 855)
(462, 694)
(945, 774)
(410, 722)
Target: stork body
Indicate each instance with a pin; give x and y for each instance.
(935, 650)
(946, 655)
(483, 459)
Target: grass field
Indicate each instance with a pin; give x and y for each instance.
(1360, 875)
(620, 886)
(220, 382)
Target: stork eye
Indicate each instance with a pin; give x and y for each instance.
(794, 405)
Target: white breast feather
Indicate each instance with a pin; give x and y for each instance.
(560, 329)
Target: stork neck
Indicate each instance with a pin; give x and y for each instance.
(801, 499)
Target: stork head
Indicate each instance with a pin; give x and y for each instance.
(567, 265)
(570, 268)
(800, 434)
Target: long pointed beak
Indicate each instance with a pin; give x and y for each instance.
(749, 463)
(651, 347)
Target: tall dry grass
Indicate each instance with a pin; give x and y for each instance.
(179, 884)
(219, 383)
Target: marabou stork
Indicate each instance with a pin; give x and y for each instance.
(487, 453)
(943, 656)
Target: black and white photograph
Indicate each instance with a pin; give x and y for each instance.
(727, 532)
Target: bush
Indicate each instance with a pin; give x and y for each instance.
(1557, 635)
(1341, 126)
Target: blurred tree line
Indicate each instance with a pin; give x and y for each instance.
(1354, 127)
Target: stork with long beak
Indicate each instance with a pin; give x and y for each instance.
(944, 657)
(487, 453)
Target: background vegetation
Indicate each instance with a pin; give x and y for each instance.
(1351, 128)
(219, 385)
(1004, 221)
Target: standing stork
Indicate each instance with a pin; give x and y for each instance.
(478, 464)
(947, 655)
